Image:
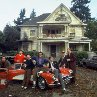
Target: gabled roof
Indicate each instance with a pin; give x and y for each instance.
(36, 19)
(45, 18)
(66, 10)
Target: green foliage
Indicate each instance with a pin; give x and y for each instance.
(91, 30)
(10, 53)
(21, 19)
(91, 33)
(1, 37)
(33, 14)
(81, 9)
(11, 34)
(13, 53)
(32, 53)
(94, 45)
(80, 55)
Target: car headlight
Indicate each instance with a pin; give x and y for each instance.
(53, 77)
(70, 71)
(63, 76)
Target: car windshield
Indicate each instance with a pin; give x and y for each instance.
(17, 66)
(94, 58)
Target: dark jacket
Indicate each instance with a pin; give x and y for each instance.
(72, 63)
(5, 64)
(62, 61)
(29, 64)
(55, 64)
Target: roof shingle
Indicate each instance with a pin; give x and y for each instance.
(36, 19)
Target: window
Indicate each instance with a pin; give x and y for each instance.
(32, 32)
(25, 46)
(73, 46)
(72, 34)
(52, 31)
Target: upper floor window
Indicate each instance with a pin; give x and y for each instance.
(72, 34)
(32, 32)
(72, 30)
(54, 31)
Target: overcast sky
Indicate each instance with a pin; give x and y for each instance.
(10, 9)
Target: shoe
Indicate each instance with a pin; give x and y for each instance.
(57, 83)
(64, 89)
(33, 87)
(22, 87)
(25, 88)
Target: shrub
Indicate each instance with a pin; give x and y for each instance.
(80, 55)
(31, 53)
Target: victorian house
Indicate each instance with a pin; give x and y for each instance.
(54, 32)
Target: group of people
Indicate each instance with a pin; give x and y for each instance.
(39, 63)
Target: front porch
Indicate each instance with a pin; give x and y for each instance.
(54, 47)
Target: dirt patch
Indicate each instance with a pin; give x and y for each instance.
(85, 86)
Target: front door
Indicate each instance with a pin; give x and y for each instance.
(53, 50)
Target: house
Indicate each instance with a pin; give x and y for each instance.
(54, 32)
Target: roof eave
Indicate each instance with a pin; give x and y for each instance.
(27, 25)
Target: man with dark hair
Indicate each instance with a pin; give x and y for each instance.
(39, 66)
(55, 69)
(62, 61)
(71, 62)
(28, 71)
(4, 64)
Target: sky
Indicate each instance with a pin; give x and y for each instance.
(10, 9)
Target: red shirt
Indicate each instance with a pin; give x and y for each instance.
(19, 58)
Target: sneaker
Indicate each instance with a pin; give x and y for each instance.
(25, 88)
(64, 89)
(33, 87)
(22, 87)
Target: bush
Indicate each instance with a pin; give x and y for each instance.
(31, 53)
(10, 53)
(13, 53)
(80, 55)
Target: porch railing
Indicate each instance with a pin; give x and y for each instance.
(52, 35)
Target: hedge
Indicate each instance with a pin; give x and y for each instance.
(80, 55)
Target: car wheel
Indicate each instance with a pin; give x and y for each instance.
(66, 80)
(42, 83)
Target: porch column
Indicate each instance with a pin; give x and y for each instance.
(89, 47)
(40, 31)
(66, 46)
(66, 30)
(41, 46)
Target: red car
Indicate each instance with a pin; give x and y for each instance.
(44, 79)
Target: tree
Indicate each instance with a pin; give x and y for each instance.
(11, 35)
(33, 14)
(1, 37)
(20, 20)
(81, 9)
(91, 29)
(1, 41)
(91, 32)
